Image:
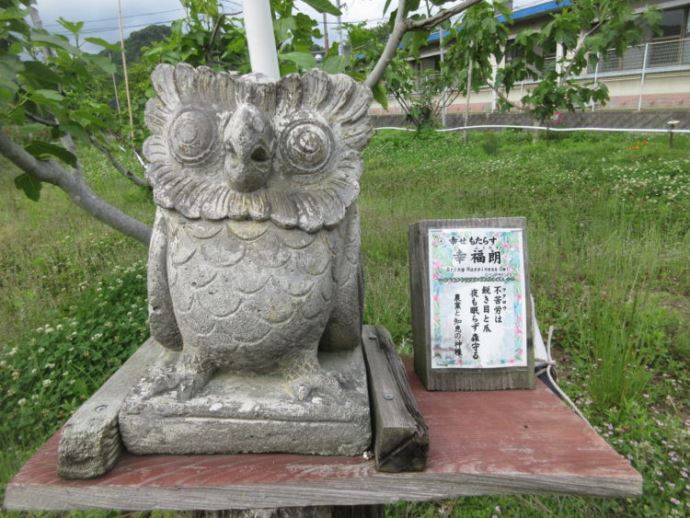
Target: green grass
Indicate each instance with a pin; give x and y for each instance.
(609, 250)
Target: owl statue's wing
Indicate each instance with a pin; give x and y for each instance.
(162, 321)
(344, 328)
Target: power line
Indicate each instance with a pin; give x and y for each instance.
(95, 30)
(128, 16)
(369, 20)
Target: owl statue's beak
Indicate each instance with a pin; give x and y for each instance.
(249, 147)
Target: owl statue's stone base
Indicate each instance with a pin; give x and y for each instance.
(254, 274)
(258, 414)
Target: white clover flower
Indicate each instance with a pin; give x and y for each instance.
(47, 382)
(34, 370)
(13, 351)
(21, 402)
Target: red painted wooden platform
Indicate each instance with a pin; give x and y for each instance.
(480, 443)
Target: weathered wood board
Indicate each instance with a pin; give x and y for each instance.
(401, 437)
(481, 443)
(435, 378)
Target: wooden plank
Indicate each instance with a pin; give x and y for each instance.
(453, 378)
(481, 443)
(401, 438)
(90, 443)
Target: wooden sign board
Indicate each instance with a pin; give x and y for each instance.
(471, 309)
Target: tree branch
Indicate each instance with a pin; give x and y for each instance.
(74, 186)
(42, 120)
(565, 73)
(399, 30)
(440, 17)
(119, 167)
(403, 25)
(505, 99)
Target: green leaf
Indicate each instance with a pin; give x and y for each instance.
(12, 13)
(323, 6)
(47, 95)
(40, 74)
(283, 28)
(31, 187)
(43, 39)
(301, 59)
(103, 43)
(104, 63)
(411, 6)
(46, 150)
(380, 94)
(73, 27)
(334, 64)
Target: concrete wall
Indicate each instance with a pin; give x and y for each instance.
(600, 119)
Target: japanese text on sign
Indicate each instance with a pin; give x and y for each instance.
(478, 308)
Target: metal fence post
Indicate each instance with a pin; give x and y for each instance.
(494, 95)
(644, 70)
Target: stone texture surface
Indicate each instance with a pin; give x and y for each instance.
(254, 266)
(261, 413)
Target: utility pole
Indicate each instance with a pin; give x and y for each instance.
(124, 69)
(325, 33)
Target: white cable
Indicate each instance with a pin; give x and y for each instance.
(548, 370)
(544, 128)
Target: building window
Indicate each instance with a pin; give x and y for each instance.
(671, 25)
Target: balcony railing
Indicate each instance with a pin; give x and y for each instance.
(648, 56)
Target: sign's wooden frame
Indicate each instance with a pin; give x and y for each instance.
(453, 378)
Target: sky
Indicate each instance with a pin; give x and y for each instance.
(100, 16)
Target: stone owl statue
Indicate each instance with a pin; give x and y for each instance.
(254, 281)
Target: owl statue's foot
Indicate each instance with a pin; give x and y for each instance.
(317, 384)
(187, 381)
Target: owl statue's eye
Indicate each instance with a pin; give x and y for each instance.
(192, 136)
(306, 146)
